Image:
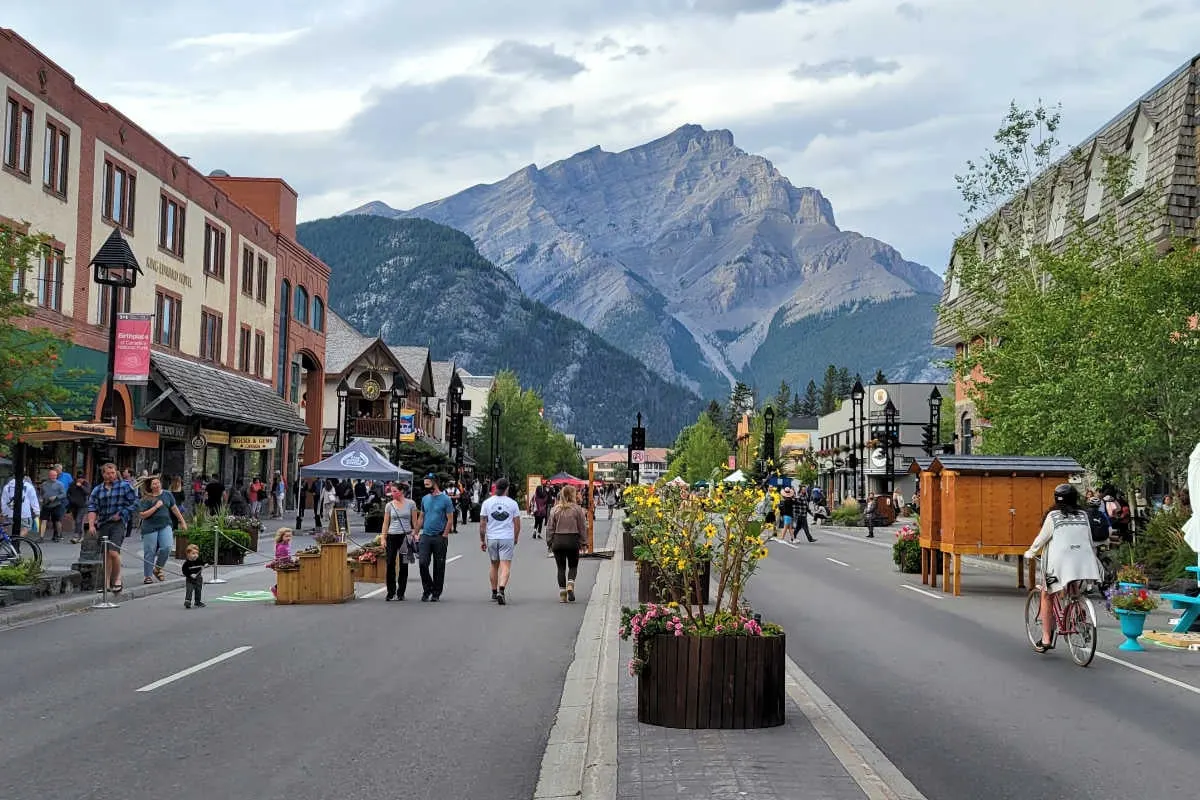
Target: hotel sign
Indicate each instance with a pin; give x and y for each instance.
(171, 430)
(167, 271)
(253, 442)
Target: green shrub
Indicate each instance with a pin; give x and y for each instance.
(21, 573)
(1161, 549)
(234, 544)
(845, 514)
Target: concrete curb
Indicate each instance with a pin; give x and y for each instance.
(874, 773)
(581, 753)
(70, 604)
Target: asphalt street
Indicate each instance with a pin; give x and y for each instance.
(952, 693)
(363, 700)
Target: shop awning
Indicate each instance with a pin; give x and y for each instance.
(62, 430)
(199, 390)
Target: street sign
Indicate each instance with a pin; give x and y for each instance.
(638, 456)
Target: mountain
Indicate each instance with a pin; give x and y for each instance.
(416, 282)
(700, 259)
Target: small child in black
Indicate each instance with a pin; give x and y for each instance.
(193, 573)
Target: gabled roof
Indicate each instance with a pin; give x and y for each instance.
(476, 381)
(344, 346)
(443, 376)
(416, 363)
(210, 392)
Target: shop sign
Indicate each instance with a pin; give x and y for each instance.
(199, 442)
(131, 362)
(215, 437)
(94, 428)
(171, 430)
(253, 442)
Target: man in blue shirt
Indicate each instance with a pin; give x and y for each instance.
(436, 520)
(110, 507)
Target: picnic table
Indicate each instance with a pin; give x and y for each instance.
(1189, 605)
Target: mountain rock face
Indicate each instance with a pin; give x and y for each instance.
(414, 282)
(690, 254)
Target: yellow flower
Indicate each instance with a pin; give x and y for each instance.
(681, 565)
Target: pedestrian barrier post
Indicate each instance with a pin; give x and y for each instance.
(104, 572)
(216, 554)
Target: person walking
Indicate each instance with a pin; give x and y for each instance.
(400, 526)
(435, 521)
(800, 520)
(258, 491)
(77, 500)
(54, 501)
(869, 515)
(193, 577)
(278, 493)
(539, 506)
(110, 507)
(156, 509)
(31, 506)
(239, 502)
(214, 494)
(567, 535)
(452, 492)
(499, 532)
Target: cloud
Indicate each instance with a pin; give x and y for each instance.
(860, 67)
(535, 61)
(910, 11)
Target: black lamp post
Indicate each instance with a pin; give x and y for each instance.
(768, 443)
(857, 420)
(343, 392)
(891, 438)
(637, 441)
(495, 414)
(935, 421)
(396, 402)
(116, 267)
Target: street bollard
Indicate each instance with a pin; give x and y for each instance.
(104, 572)
(216, 554)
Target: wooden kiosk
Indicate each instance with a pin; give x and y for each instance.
(985, 505)
(930, 530)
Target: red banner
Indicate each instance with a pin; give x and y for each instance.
(132, 362)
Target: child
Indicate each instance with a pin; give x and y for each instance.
(193, 570)
(283, 550)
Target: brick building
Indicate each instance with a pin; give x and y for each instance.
(238, 306)
(1157, 133)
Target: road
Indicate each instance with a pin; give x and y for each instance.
(363, 700)
(952, 693)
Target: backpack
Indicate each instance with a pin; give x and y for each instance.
(1099, 525)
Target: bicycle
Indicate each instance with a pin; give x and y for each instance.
(1074, 618)
(18, 548)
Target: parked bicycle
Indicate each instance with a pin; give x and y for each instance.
(18, 548)
(1074, 618)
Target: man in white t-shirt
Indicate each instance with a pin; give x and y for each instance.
(499, 530)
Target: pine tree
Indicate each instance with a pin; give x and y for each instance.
(796, 409)
(844, 382)
(741, 400)
(879, 378)
(715, 414)
(783, 400)
(810, 406)
(829, 390)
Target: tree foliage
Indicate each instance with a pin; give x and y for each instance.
(700, 450)
(29, 356)
(1087, 346)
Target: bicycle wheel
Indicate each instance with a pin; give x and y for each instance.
(1033, 617)
(1080, 633)
(20, 548)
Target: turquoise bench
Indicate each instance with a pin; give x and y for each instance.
(1191, 610)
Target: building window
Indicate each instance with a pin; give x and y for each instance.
(955, 285)
(50, 278)
(170, 225)
(105, 304)
(214, 251)
(210, 336)
(968, 435)
(300, 306)
(297, 366)
(260, 353)
(244, 349)
(1058, 212)
(1095, 186)
(248, 271)
(261, 292)
(1139, 153)
(120, 191)
(56, 159)
(167, 312)
(285, 315)
(318, 314)
(18, 135)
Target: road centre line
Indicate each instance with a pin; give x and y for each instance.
(920, 591)
(1151, 673)
(835, 561)
(237, 651)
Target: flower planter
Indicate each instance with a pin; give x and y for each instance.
(365, 572)
(726, 682)
(1133, 623)
(323, 577)
(627, 543)
(1126, 587)
(650, 588)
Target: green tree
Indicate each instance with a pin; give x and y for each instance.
(716, 414)
(782, 402)
(844, 382)
(829, 390)
(700, 449)
(879, 378)
(741, 400)
(810, 405)
(30, 373)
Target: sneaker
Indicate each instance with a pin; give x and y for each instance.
(200, 605)
(500, 599)
(495, 594)
(562, 595)
(425, 597)
(435, 598)
(571, 591)
(389, 598)
(187, 604)
(400, 598)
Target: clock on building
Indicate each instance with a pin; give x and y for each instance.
(371, 389)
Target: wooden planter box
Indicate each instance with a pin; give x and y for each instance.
(650, 591)
(322, 578)
(728, 682)
(369, 573)
(627, 543)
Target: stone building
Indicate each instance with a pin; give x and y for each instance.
(1157, 134)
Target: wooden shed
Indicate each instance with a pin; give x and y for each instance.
(989, 505)
(929, 492)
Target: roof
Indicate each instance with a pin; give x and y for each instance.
(1056, 465)
(443, 373)
(415, 361)
(476, 381)
(802, 423)
(358, 460)
(211, 392)
(343, 344)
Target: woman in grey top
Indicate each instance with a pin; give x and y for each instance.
(158, 539)
(399, 525)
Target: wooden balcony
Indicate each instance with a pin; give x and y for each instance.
(369, 428)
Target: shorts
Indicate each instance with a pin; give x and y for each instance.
(115, 531)
(500, 549)
(787, 521)
(54, 514)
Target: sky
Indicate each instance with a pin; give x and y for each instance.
(877, 103)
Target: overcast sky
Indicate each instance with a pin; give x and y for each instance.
(877, 103)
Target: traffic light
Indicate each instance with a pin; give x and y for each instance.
(927, 440)
(638, 439)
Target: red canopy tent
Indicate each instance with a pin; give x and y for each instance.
(563, 478)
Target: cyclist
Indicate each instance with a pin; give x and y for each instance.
(1066, 535)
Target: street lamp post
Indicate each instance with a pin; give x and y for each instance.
(396, 403)
(343, 421)
(935, 421)
(116, 267)
(495, 413)
(768, 448)
(891, 438)
(857, 395)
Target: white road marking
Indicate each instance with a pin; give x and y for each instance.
(835, 561)
(1151, 673)
(453, 558)
(374, 592)
(920, 591)
(237, 651)
(781, 541)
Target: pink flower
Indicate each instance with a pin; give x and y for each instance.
(679, 631)
(621, 631)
